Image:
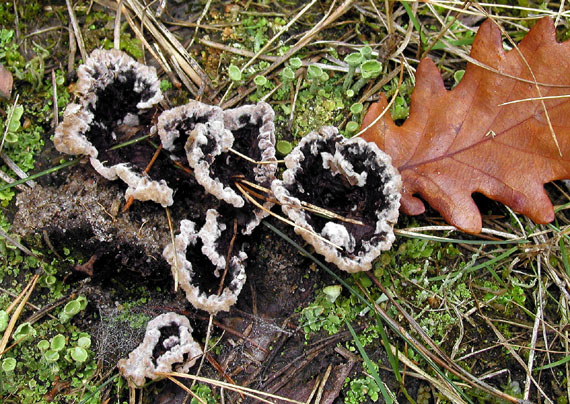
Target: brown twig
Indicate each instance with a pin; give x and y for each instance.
(146, 171)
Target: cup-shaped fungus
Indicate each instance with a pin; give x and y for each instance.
(227, 159)
(176, 124)
(198, 264)
(117, 100)
(167, 346)
(344, 196)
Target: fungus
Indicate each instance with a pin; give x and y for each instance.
(199, 250)
(167, 346)
(357, 187)
(242, 150)
(175, 125)
(117, 96)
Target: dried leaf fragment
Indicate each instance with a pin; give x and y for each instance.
(462, 141)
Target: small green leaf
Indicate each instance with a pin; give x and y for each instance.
(14, 123)
(234, 73)
(57, 342)
(9, 364)
(79, 354)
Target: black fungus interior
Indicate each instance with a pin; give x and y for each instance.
(334, 192)
(114, 102)
(203, 270)
(184, 127)
(165, 333)
(229, 166)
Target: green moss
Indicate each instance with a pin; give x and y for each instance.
(35, 375)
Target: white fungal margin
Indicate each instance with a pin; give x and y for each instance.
(180, 350)
(355, 254)
(104, 68)
(176, 257)
(184, 119)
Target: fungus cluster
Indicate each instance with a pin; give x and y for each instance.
(342, 194)
(195, 255)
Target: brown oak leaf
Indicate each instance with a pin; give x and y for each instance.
(458, 142)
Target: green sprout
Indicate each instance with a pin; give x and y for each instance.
(356, 108)
(350, 93)
(43, 345)
(4, 318)
(9, 364)
(314, 74)
(295, 63)
(234, 73)
(260, 83)
(72, 308)
(457, 76)
(79, 354)
(353, 60)
(368, 70)
(24, 331)
(366, 52)
(283, 147)
(332, 292)
(50, 280)
(287, 75)
(51, 356)
(57, 342)
(82, 302)
(84, 342)
(352, 127)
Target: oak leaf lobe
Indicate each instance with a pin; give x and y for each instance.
(458, 142)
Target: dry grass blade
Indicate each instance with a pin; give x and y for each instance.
(440, 385)
(76, 30)
(290, 223)
(169, 43)
(304, 205)
(247, 158)
(23, 297)
(176, 266)
(258, 395)
(550, 97)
